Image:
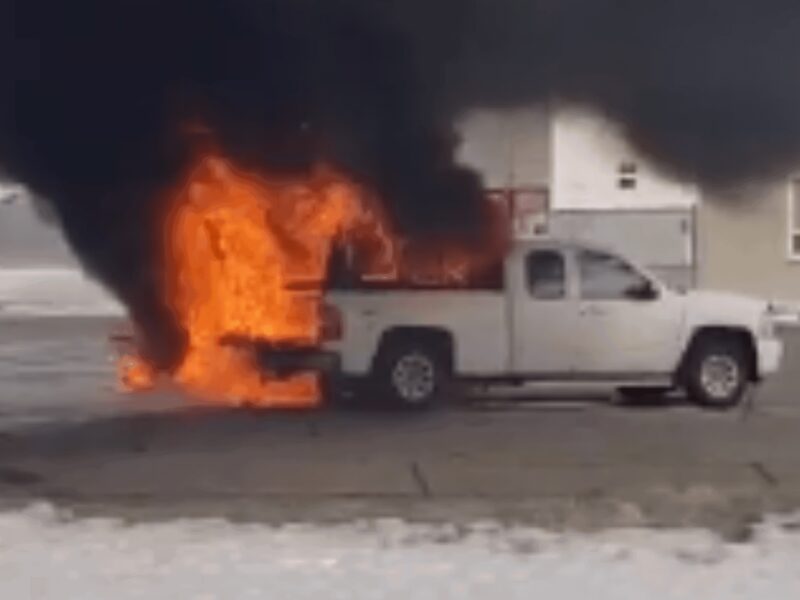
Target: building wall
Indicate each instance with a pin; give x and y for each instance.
(743, 242)
(590, 155)
(661, 240)
(511, 149)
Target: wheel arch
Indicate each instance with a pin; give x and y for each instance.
(706, 332)
(433, 337)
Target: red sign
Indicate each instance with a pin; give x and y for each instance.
(527, 207)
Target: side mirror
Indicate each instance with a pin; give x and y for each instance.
(642, 291)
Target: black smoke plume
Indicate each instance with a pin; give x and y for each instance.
(96, 95)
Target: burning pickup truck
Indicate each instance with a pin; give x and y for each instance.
(409, 319)
(560, 312)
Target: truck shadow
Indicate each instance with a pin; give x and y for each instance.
(194, 428)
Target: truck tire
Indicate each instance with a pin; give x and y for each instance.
(717, 372)
(412, 375)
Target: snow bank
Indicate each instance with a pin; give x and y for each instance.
(53, 292)
(46, 555)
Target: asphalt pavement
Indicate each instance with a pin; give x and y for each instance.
(67, 436)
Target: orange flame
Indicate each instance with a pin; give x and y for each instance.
(235, 245)
(382, 256)
(246, 257)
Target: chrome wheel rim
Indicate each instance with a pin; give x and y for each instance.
(720, 376)
(414, 377)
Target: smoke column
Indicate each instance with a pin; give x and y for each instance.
(96, 98)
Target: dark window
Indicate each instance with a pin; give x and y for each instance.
(627, 175)
(794, 224)
(606, 277)
(546, 274)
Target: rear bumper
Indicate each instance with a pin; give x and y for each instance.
(285, 362)
(770, 355)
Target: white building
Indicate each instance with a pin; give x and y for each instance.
(581, 158)
(575, 170)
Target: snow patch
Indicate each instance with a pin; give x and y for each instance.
(53, 292)
(47, 554)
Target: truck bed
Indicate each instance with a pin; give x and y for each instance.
(477, 319)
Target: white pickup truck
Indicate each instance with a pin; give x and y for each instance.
(564, 313)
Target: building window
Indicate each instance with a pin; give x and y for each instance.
(794, 220)
(627, 175)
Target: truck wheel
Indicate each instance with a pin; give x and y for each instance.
(718, 372)
(412, 375)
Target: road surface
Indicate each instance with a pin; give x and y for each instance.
(68, 437)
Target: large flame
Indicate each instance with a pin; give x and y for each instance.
(236, 246)
(246, 258)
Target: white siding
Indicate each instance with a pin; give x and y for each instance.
(662, 240)
(511, 149)
(588, 151)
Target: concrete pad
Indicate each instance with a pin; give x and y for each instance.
(783, 476)
(192, 474)
(461, 479)
(335, 478)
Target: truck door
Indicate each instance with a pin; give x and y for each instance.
(544, 313)
(629, 325)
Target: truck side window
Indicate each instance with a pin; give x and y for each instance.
(546, 274)
(606, 277)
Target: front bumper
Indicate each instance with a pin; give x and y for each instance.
(770, 355)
